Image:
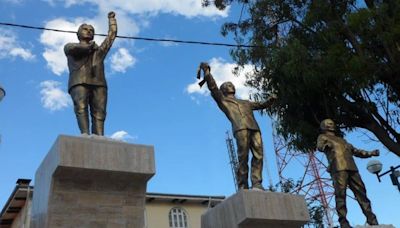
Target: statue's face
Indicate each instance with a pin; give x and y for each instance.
(85, 32)
(328, 125)
(228, 88)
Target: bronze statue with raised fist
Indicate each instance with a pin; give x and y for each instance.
(87, 84)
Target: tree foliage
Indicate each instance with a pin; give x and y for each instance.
(315, 208)
(335, 59)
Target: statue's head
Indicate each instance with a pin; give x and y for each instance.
(85, 32)
(227, 88)
(327, 125)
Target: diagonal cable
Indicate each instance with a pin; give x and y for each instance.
(133, 37)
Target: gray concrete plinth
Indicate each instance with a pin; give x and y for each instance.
(86, 182)
(258, 209)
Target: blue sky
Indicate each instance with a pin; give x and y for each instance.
(153, 98)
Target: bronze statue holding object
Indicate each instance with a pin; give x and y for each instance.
(344, 171)
(244, 126)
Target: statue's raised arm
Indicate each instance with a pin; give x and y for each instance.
(112, 33)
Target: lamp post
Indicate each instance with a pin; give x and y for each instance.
(375, 167)
(2, 93)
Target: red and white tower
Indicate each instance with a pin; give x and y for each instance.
(310, 172)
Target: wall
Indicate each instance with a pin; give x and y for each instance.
(157, 213)
(23, 218)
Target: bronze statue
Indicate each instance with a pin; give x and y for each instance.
(87, 84)
(344, 171)
(244, 127)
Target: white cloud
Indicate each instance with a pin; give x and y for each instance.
(122, 136)
(222, 72)
(53, 98)
(67, 2)
(14, 1)
(168, 43)
(10, 47)
(187, 8)
(121, 60)
(23, 53)
(54, 42)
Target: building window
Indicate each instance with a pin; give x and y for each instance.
(178, 218)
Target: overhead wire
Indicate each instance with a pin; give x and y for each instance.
(133, 37)
(238, 23)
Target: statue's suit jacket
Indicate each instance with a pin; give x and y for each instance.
(86, 65)
(339, 153)
(239, 112)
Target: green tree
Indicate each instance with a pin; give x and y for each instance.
(316, 211)
(315, 208)
(335, 59)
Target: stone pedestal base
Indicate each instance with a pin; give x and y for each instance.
(86, 182)
(257, 209)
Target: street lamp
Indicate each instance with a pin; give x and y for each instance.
(375, 167)
(2, 93)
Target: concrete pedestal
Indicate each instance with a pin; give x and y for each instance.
(257, 209)
(85, 182)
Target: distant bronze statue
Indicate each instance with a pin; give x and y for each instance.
(344, 171)
(244, 127)
(87, 84)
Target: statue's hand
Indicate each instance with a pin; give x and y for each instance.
(328, 146)
(205, 67)
(111, 14)
(375, 153)
(92, 45)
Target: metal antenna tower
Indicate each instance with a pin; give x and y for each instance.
(310, 169)
(233, 159)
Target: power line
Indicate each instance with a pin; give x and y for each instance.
(133, 37)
